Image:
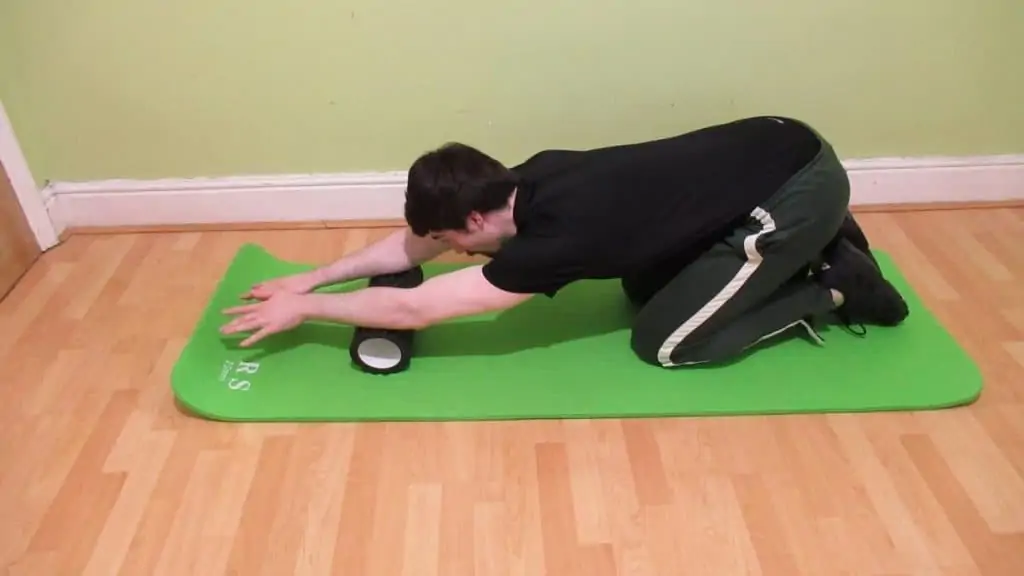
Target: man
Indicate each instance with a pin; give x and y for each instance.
(722, 237)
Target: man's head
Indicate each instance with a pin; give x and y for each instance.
(462, 196)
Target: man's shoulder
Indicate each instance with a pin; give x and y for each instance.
(538, 242)
(547, 163)
(537, 263)
(546, 244)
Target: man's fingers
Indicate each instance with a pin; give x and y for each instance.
(242, 324)
(258, 294)
(257, 291)
(243, 309)
(259, 335)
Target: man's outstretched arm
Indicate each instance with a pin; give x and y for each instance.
(464, 292)
(397, 251)
(461, 293)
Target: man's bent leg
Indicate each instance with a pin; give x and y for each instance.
(724, 303)
(753, 284)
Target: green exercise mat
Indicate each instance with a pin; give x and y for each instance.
(567, 357)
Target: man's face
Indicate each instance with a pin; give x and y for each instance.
(479, 237)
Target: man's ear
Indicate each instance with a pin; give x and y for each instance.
(474, 222)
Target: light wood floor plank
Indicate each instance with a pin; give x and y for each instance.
(101, 474)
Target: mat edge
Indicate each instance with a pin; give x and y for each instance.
(251, 249)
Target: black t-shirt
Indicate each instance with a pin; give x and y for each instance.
(610, 212)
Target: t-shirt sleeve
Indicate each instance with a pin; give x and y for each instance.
(534, 266)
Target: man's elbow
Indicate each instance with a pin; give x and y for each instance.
(413, 313)
(424, 314)
(418, 320)
(418, 310)
(421, 311)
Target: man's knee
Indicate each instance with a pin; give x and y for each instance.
(636, 291)
(654, 346)
(644, 349)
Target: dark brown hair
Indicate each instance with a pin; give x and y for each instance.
(447, 184)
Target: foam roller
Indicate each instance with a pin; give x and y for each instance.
(383, 351)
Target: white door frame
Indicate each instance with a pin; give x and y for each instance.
(29, 195)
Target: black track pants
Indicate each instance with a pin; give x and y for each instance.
(751, 285)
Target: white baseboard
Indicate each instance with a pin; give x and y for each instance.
(935, 180)
(379, 196)
(229, 200)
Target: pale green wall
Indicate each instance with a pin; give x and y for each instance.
(129, 88)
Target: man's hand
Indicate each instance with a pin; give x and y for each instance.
(460, 293)
(302, 283)
(281, 311)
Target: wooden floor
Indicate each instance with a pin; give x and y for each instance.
(101, 475)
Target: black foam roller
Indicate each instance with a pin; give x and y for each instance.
(382, 351)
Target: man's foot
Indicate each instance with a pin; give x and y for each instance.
(850, 230)
(864, 295)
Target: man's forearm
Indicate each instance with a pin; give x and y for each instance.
(459, 293)
(378, 307)
(395, 252)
